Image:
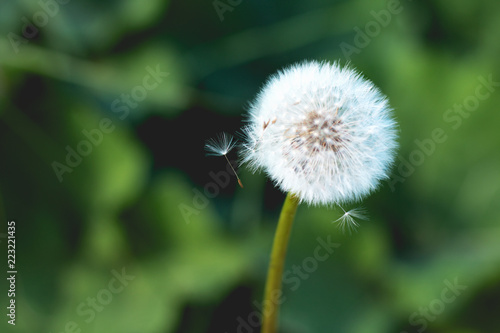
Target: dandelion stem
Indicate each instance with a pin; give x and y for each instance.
(274, 275)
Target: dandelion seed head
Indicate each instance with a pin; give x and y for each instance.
(321, 132)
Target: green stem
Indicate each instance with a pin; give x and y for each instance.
(272, 291)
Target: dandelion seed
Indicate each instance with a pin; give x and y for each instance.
(347, 221)
(220, 146)
(321, 132)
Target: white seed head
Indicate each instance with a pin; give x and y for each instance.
(321, 132)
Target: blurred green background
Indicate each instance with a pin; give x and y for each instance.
(131, 207)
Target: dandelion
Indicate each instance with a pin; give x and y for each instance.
(324, 135)
(221, 146)
(321, 132)
(347, 221)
